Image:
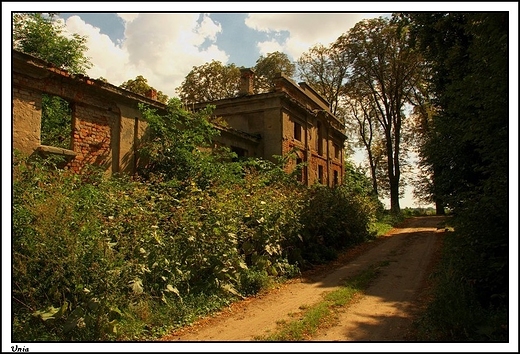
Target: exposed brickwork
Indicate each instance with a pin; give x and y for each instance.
(99, 110)
(91, 138)
(107, 126)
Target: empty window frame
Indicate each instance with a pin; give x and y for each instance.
(56, 122)
(336, 151)
(297, 131)
(241, 153)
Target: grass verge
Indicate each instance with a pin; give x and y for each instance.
(321, 315)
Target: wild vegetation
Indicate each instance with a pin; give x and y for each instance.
(465, 150)
(122, 258)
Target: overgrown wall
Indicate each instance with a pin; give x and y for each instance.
(106, 123)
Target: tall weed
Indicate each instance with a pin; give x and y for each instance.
(118, 258)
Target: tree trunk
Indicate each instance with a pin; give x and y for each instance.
(439, 207)
(394, 196)
(373, 168)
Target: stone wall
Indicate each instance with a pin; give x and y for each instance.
(272, 117)
(106, 123)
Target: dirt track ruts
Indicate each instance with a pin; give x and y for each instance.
(384, 313)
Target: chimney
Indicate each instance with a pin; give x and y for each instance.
(247, 79)
(151, 93)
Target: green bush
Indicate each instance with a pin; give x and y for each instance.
(99, 258)
(252, 281)
(333, 220)
(456, 312)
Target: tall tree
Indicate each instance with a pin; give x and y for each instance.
(325, 69)
(468, 54)
(140, 85)
(42, 35)
(267, 67)
(360, 107)
(384, 64)
(209, 82)
(423, 128)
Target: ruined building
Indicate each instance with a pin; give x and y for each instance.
(292, 117)
(107, 126)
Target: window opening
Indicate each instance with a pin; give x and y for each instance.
(56, 122)
(241, 153)
(297, 131)
(336, 151)
(320, 174)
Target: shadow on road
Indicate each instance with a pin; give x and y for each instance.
(388, 306)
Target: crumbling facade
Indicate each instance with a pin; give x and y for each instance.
(107, 126)
(292, 118)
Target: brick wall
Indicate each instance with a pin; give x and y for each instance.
(107, 126)
(92, 137)
(106, 122)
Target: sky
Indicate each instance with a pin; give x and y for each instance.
(164, 47)
(164, 41)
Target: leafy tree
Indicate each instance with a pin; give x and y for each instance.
(422, 117)
(42, 36)
(325, 69)
(140, 85)
(214, 81)
(267, 67)
(384, 65)
(209, 82)
(467, 145)
(359, 106)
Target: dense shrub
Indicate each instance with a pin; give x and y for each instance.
(99, 258)
(456, 312)
(333, 219)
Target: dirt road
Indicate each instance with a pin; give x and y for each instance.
(384, 313)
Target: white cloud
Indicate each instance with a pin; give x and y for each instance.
(162, 47)
(305, 29)
(107, 57)
(269, 47)
(209, 29)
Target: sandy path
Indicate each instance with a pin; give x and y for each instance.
(384, 313)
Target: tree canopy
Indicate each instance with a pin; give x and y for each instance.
(325, 69)
(43, 36)
(466, 144)
(215, 81)
(209, 82)
(140, 85)
(267, 67)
